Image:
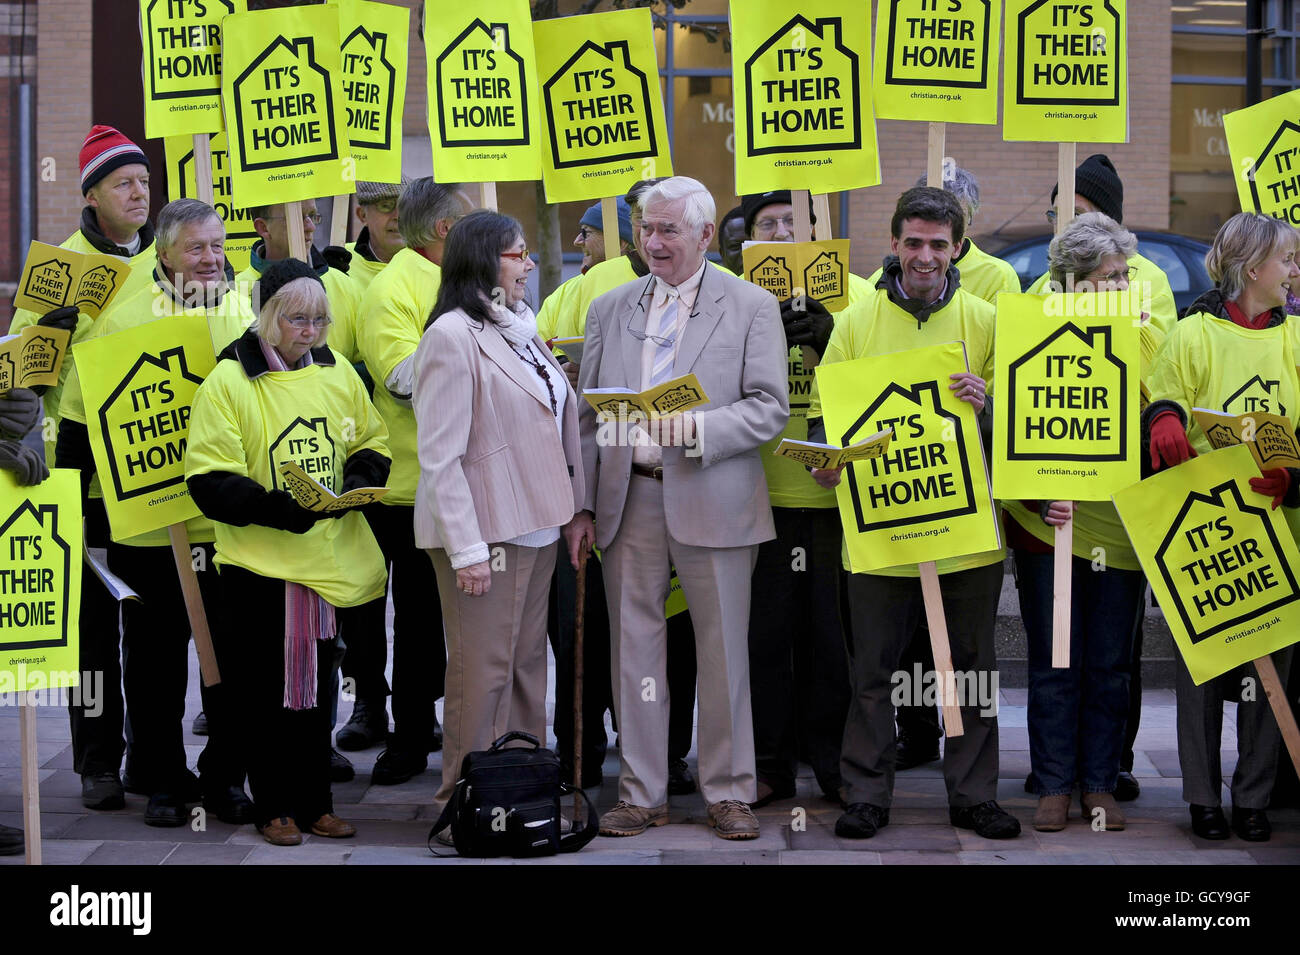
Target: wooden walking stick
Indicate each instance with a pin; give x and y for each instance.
(1281, 708)
(31, 779)
(579, 624)
(1063, 555)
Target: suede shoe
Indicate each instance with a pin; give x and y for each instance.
(1126, 787)
(1251, 824)
(11, 841)
(1208, 822)
(200, 725)
(281, 832)
(626, 819)
(332, 827)
(1053, 811)
(910, 753)
(988, 819)
(733, 819)
(229, 804)
(341, 770)
(861, 820)
(1112, 818)
(366, 727)
(166, 811)
(102, 791)
(680, 780)
(396, 766)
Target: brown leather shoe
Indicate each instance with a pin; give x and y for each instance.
(282, 832)
(332, 827)
(626, 819)
(733, 819)
(1052, 812)
(1112, 818)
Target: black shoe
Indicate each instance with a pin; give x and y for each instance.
(1251, 824)
(861, 820)
(911, 753)
(397, 766)
(1126, 788)
(165, 810)
(988, 819)
(1208, 822)
(230, 805)
(200, 725)
(102, 791)
(341, 770)
(769, 793)
(11, 841)
(680, 780)
(366, 727)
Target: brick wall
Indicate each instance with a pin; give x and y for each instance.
(63, 105)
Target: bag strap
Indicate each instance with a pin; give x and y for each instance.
(444, 820)
(573, 841)
(514, 735)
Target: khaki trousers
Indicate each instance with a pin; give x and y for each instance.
(496, 655)
(716, 583)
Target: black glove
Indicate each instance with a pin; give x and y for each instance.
(28, 466)
(807, 323)
(279, 509)
(64, 318)
(338, 257)
(20, 411)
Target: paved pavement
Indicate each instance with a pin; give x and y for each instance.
(393, 821)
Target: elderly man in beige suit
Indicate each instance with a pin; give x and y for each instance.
(687, 492)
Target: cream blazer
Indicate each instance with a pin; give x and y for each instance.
(492, 465)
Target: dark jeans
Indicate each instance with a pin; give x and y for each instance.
(798, 665)
(597, 696)
(156, 639)
(419, 649)
(1077, 714)
(288, 751)
(97, 740)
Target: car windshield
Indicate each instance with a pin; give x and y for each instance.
(1168, 260)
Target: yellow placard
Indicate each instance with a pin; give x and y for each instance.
(1264, 143)
(819, 270)
(374, 44)
(1065, 421)
(282, 92)
(802, 95)
(827, 456)
(1066, 71)
(676, 602)
(240, 234)
(670, 398)
(602, 109)
(182, 64)
(138, 385)
(1221, 562)
(1270, 437)
(927, 497)
(32, 357)
(937, 60)
(315, 496)
(40, 582)
(482, 84)
(53, 277)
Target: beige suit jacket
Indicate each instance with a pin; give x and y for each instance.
(715, 496)
(492, 466)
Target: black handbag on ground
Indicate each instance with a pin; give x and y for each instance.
(507, 803)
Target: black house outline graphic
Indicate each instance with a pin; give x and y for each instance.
(891, 80)
(39, 514)
(520, 77)
(326, 114)
(1116, 59)
(554, 121)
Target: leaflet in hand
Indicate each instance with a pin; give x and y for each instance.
(315, 496)
(672, 397)
(826, 457)
(1271, 438)
(32, 357)
(54, 277)
(572, 347)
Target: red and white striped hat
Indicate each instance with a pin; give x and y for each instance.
(104, 150)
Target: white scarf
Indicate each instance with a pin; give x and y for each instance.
(518, 327)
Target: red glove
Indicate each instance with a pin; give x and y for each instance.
(1169, 441)
(1274, 483)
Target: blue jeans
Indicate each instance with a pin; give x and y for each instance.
(1077, 715)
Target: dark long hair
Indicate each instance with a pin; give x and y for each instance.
(471, 264)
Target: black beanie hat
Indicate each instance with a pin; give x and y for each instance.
(1098, 182)
(752, 205)
(276, 277)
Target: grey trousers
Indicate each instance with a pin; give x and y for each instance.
(884, 613)
(1200, 729)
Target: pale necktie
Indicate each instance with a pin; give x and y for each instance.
(661, 369)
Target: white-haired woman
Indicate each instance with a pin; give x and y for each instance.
(278, 394)
(1234, 335)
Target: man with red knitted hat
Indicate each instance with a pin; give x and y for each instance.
(114, 221)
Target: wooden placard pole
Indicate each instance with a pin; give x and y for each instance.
(297, 233)
(822, 231)
(609, 226)
(488, 195)
(801, 199)
(31, 781)
(180, 540)
(339, 215)
(934, 155)
(939, 646)
(1063, 555)
(579, 624)
(203, 167)
(1281, 708)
